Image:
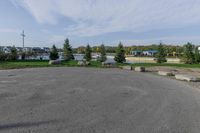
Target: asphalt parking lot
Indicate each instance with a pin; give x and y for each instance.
(89, 100)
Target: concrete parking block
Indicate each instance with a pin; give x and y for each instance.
(140, 69)
(127, 67)
(185, 77)
(165, 73)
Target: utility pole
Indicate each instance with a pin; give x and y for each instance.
(23, 36)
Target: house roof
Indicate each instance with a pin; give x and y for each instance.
(136, 51)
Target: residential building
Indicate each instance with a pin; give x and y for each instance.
(150, 52)
(27, 49)
(6, 49)
(136, 52)
(46, 49)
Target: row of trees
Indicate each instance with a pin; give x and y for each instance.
(171, 50)
(88, 53)
(68, 52)
(119, 57)
(191, 54)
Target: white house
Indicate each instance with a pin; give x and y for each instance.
(6, 49)
(150, 52)
(27, 49)
(46, 49)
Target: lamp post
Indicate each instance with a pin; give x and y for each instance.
(23, 36)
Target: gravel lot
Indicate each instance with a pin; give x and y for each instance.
(87, 100)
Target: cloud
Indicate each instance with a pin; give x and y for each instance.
(56, 39)
(9, 30)
(46, 31)
(97, 17)
(166, 40)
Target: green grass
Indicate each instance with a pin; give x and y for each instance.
(37, 63)
(22, 64)
(25, 64)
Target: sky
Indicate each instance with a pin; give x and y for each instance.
(133, 22)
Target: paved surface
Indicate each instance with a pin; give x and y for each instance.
(85, 100)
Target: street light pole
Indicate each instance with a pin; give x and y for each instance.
(23, 36)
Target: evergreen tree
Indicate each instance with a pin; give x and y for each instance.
(88, 52)
(188, 56)
(103, 53)
(120, 54)
(197, 56)
(161, 55)
(67, 49)
(13, 53)
(54, 53)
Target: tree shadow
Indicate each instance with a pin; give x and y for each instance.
(26, 124)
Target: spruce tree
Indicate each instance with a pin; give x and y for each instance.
(88, 52)
(67, 49)
(161, 55)
(54, 53)
(120, 54)
(188, 56)
(197, 56)
(103, 53)
(13, 54)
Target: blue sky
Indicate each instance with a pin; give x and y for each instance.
(134, 22)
